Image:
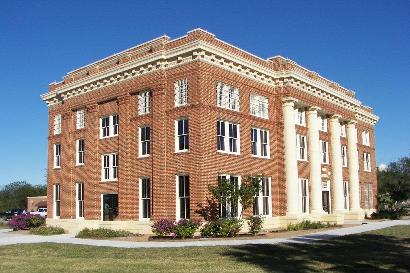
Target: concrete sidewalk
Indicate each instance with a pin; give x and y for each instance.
(8, 238)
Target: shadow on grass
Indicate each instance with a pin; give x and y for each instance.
(364, 253)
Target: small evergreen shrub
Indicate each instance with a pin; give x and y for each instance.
(163, 227)
(47, 230)
(389, 214)
(306, 224)
(102, 233)
(222, 228)
(26, 221)
(185, 228)
(255, 224)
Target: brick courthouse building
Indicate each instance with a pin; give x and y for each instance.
(139, 135)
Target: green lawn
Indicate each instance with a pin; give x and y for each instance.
(385, 250)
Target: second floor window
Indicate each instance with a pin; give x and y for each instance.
(80, 119)
(302, 147)
(144, 102)
(300, 117)
(109, 126)
(322, 124)
(181, 92)
(181, 135)
(79, 152)
(260, 142)
(366, 138)
(324, 148)
(227, 137)
(344, 156)
(57, 124)
(259, 106)
(366, 162)
(227, 96)
(145, 140)
(109, 171)
(57, 155)
(343, 130)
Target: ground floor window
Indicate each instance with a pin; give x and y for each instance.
(262, 204)
(183, 202)
(367, 195)
(326, 196)
(303, 195)
(346, 194)
(80, 200)
(56, 200)
(145, 198)
(229, 207)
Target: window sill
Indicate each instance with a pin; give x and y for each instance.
(181, 151)
(144, 114)
(261, 157)
(56, 168)
(79, 129)
(108, 137)
(79, 218)
(265, 118)
(143, 156)
(110, 180)
(228, 153)
(79, 164)
(181, 105)
(144, 219)
(305, 160)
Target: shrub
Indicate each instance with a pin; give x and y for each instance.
(222, 228)
(47, 230)
(26, 221)
(163, 227)
(35, 221)
(102, 233)
(255, 224)
(389, 214)
(185, 228)
(306, 224)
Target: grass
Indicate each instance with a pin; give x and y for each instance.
(386, 250)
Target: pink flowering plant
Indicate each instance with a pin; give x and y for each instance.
(163, 227)
(26, 221)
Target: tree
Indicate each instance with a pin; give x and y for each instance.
(14, 195)
(395, 180)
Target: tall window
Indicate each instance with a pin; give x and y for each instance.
(346, 194)
(343, 130)
(229, 208)
(80, 200)
(302, 147)
(109, 126)
(367, 194)
(145, 198)
(144, 102)
(322, 124)
(304, 196)
(300, 117)
(260, 142)
(183, 204)
(227, 96)
(366, 138)
(228, 143)
(259, 106)
(57, 155)
(80, 121)
(79, 156)
(56, 200)
(181, 92)
(344, 156)
(57, 124)
(324, 148)
(145, 140)
(366, 162)
(181, 135)
(109, 171)
(262, 204)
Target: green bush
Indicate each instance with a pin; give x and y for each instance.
(306, 224)
(185, 228)
(255, 224)
(47, 230)
(389, 214)
(35, 221)
(222, 228)
(102, 233)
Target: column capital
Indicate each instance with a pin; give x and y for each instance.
(352, 122)
(289, 100)
(336, 117)
(313, 108)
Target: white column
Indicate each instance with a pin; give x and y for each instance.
(353, 164)
(291, 167)
(337, 167)
(314, 160)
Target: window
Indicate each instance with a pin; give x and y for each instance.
(227, 96)
(262, 204)
(260, 142)
(145, 139)
(346, 194)
(301, 146)
(303, 195)
(145, 198)
(109, 126)
(144, 102)
(343, 130)
(300, 118)
(80, 200)
(181, 92)
(229, 208)
(322, 124)
(109, 169)
(183, 205)
(181, 135)
(259, 106)
(228, 143)
(324, 148)
(57, 124)
(344, 156)
(366, 138)
(57, 155)
(80, 119)
(56, 200)
(79, 156)
(367, 194)
(366, 162)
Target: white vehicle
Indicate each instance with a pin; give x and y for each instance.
(41, 211)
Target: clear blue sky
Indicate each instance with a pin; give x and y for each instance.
(363, 45)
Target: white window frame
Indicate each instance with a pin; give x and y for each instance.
(366, 138)
(79, 199)
(227, 97)
(57, 156)
(141, 199)
(260, 198)
(259, 106)
(346, 197)
(322, 124)
(342, 130)
(112, 128)
(324, 154)
(258, 144)
(146, 142)
(185, 196)
(79, 154)
(302, 197)
(182, 135)
(300, 117)
(301, 150)
(181, 89)
(56, 199)
(366, 162)
(112, 167)
(80, 119)
(344, 155)
(144, 102)
(228, 205)
(226, 138)
(57, 124)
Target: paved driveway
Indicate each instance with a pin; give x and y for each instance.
(9, 238)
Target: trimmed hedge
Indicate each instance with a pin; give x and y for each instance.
(102, 233)
(304, 225)
(47, 230)
(222, 228)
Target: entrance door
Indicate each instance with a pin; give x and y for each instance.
(326, 201)
(110, 207)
